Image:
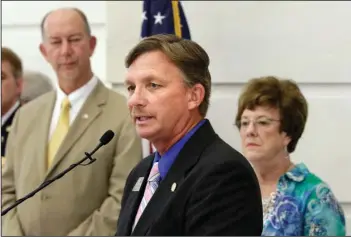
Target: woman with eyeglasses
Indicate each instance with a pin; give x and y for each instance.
(271, 118)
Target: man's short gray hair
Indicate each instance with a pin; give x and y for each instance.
(35, 84)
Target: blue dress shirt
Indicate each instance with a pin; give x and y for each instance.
(166, 161)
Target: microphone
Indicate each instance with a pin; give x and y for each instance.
(105, 138)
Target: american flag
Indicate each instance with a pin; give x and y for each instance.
(164, 17)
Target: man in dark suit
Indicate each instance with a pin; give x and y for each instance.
(11, 87)
(195, 184)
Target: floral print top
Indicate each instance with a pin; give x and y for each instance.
(304, 206)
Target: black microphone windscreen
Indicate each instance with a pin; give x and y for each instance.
(107, 137)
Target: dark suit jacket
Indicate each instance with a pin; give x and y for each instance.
(216, 193)
(5, 129)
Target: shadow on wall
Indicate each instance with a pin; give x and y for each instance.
(35, 84)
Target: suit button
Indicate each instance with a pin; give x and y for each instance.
(45, 197)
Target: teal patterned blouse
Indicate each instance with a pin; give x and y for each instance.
(304, 206)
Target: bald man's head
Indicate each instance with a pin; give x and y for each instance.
(68, 45)
(62, 12)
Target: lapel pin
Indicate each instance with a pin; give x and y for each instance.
(138, 184)
(85, 116)
(174, 186)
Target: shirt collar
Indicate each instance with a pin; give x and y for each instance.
(80, 93)
(8, 114)
(166, 161)
(296, 175)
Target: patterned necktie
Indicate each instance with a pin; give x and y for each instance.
(60, 132)
(151, 186)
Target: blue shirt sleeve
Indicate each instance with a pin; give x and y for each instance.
(324, 215)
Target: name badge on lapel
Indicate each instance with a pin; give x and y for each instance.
(138, 184)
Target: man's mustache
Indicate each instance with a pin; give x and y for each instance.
(137, 112)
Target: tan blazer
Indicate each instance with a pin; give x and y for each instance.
(86, 201)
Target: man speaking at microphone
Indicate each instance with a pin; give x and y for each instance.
(195, 184)
(54, 131)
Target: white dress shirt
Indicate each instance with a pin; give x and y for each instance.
(77, 98)
(9, 113)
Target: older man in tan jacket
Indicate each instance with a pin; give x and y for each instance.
(54, 131)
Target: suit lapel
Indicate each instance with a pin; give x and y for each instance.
(132, 204)
(8, 123)
(88, 113)
(183, 164)
(41, 135)
(6, 127)
(5, 130)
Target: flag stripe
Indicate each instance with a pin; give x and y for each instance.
(176, 18)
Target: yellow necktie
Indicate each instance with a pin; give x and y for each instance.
(60, 131)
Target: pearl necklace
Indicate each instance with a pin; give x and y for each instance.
(268, 205)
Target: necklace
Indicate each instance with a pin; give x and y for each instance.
(268, 203)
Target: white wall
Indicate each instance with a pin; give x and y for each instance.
(309, 42)
(21, 31)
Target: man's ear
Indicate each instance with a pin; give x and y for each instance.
(92, 44)
(196, 96)
(43, 51)
(19, 83)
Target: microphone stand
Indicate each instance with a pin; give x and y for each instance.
(49, 181)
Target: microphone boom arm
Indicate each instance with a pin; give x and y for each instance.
(49, 181)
